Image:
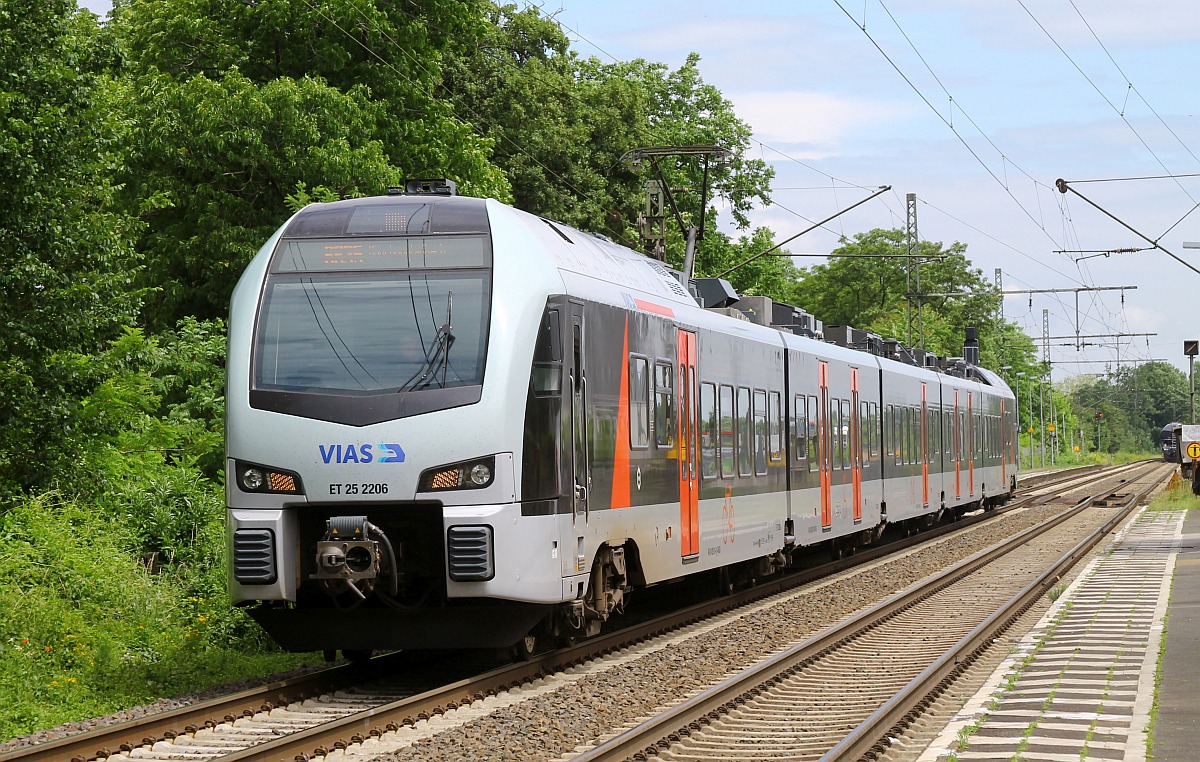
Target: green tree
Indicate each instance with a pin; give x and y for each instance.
(66, 284)
(865, 284)
(562, 125)
(1134, 402)
(559, 125)
(238, 107)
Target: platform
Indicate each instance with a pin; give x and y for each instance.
(1081, 685)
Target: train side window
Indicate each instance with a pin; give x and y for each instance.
(800, 428)
(760, 432)
(912, 446)
(745, 432)
(873, 429)
(864, 433)
(975, 435)
(814, 431)
(835, 430)
(962, 435)
(935, 434)
(847, 454)
(639, 402)
(664, 405)
(775, 414)
(894, 429)
(914, 429)
(910, 437)
(727, 415)
(710, 430)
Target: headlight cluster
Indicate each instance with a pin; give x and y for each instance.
(471, 474)
(254, 478)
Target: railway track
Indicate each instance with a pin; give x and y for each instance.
(854, 688)
(337, 708)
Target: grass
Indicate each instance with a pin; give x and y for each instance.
(88, 629)
(1176, 497)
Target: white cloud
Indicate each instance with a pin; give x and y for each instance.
(817, 121)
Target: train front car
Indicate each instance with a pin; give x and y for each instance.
(380, 359)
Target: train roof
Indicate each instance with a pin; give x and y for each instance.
(431, 207)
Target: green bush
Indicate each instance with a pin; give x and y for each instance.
(115, 582)
(92, 629)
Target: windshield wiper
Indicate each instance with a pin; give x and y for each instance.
(437, 357)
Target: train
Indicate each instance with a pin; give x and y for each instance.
(1169, 439)
(454, 424)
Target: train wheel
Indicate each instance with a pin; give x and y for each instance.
(357, 655)
(839, 549)
(724, 581)
(526, 647)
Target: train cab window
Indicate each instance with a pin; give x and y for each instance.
(639, 402)
(664, 405)
(775, 419)
(800, 432)
(710, 430)
(760, 432)
(814, 431)
(727, 415)
(745, 432)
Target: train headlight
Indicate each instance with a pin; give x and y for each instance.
(254, 478)
(481, 475)
(471, 474)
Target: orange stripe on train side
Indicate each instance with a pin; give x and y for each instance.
(620, 484)
(657, 309)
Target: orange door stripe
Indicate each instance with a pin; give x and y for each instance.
(620, 487)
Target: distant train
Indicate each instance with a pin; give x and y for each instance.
(1169, 438)
(454, 424)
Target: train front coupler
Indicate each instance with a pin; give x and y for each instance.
(355, 556)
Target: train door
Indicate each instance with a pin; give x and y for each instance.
(971, 451)
(958, 442)
(581, 476)
(689, 488)
(856, 460)
(824, 446)
(1003, 445)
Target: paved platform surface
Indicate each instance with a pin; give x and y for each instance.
(1081, 685)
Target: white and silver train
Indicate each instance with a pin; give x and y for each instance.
(454, 424)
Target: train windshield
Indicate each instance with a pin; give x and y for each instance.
(333, 328)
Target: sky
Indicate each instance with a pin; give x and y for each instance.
(977, 107)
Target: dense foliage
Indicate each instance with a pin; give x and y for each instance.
(147, 157)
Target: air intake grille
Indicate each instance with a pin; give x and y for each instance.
(469, 552)
(254, 556)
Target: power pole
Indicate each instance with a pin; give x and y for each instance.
(914, 266)
(1049, 370)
